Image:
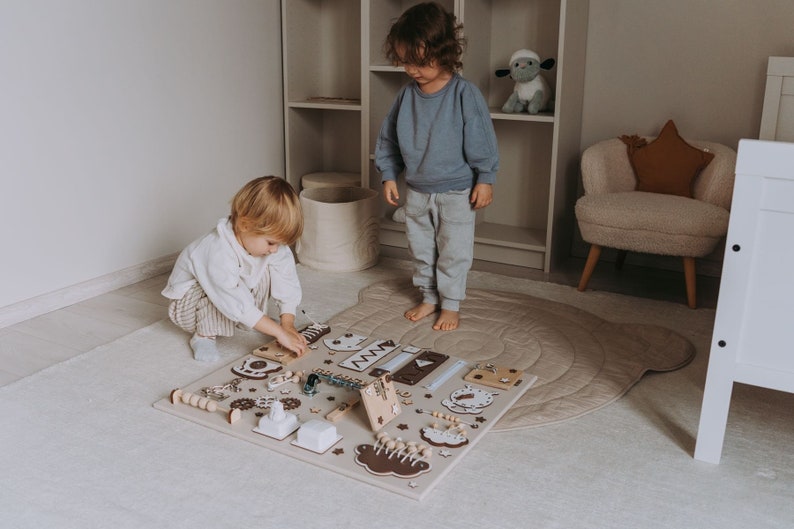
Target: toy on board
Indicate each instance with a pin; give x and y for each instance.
(277, 424)
(469, 400)
(317, 436)
(204, 403)
(394, 457)
(276, 352)
(494, 376)
(380, 398)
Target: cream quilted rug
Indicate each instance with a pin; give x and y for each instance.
(582, 361)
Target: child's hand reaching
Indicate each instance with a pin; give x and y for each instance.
(284, 333)
(481, 196)
(292, 340)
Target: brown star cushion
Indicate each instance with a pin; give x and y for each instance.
(667, 164)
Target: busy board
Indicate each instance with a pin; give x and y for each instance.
(393, 415)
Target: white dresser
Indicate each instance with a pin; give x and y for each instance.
(753, 340)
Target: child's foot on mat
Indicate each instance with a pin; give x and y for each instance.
(447, 321)
(204, 348)
(420, 311)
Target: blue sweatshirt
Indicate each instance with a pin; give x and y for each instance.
(444, 141)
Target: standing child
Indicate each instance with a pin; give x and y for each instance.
(439, 132)
(226, 277)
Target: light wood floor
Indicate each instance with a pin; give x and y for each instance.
(32, 345)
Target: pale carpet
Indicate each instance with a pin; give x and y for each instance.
(81, 446)
(582, 361)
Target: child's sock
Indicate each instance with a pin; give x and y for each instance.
(204, 348)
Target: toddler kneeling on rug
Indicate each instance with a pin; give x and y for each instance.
(226, 277)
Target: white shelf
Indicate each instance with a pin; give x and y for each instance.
(326, 105)
(531, 221)
(386, 68)
(541, 117)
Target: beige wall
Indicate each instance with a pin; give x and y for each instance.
(701, 63)
(126, 127)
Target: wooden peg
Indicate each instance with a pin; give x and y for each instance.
(203, 403)
(341, 410)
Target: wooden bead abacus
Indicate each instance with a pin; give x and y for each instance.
(204, 403)
(447, 417)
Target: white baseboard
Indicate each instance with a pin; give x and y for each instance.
(30, 308)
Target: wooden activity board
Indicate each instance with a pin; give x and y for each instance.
(388, 414)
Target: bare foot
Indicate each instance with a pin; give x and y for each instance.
(447, 321)
(420, 311)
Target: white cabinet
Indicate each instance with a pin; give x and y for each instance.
(753, 334)
(338, 87)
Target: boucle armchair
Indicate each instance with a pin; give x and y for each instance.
(613, 214)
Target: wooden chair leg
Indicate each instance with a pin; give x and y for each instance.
(589, 266)
(689, 276)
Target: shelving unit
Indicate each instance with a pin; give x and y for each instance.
(531, 221)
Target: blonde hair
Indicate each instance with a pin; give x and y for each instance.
(270, 206)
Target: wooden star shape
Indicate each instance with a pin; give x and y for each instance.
(314, 410)
(444, 453)
(402, 426)
(479, 419)
(338, 451)
(413, 484)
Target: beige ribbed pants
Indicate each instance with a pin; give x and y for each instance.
(195, 313)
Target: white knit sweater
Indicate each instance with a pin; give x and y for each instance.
(228, 274)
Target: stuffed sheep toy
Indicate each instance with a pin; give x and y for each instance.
(531, 92)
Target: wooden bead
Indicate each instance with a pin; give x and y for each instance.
(176, 396)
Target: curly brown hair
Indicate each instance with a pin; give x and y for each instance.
(426, 33)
